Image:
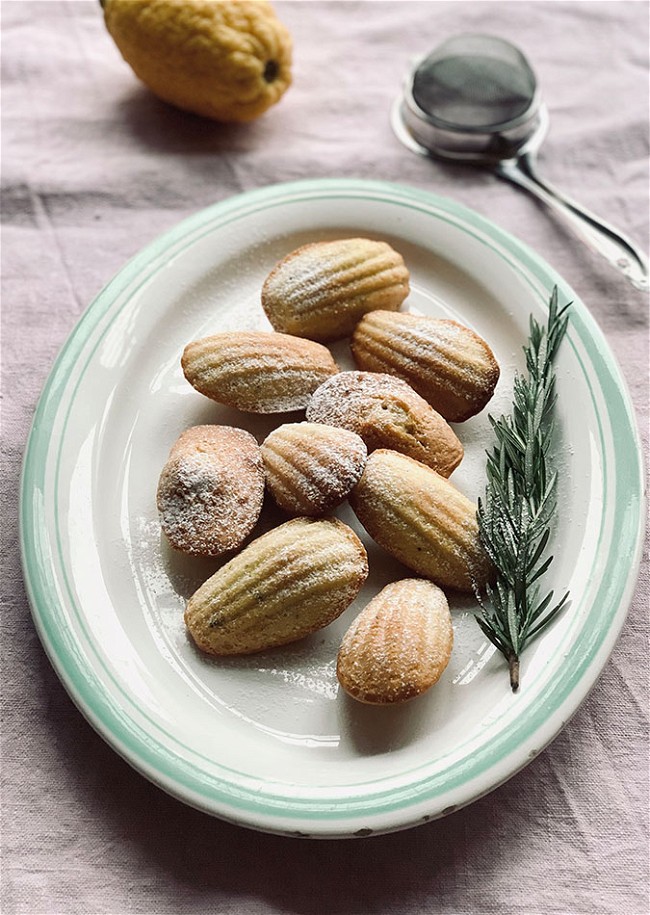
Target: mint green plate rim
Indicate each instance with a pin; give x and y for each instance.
(342, 811)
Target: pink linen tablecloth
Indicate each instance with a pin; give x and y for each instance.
(93, 168)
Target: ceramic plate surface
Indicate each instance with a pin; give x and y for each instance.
(270, 741)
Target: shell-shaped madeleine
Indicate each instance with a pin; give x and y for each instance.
(287, 583)
(445, 362)
(387, 413)
(321, 290)
(311, 468)
(257, 371)
(399, 645)
(211, 490)
(422, 520)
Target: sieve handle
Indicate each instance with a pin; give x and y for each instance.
(607, 241)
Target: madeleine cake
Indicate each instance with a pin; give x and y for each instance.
(257, 371)
(445, 362)
(399, 645)
(321, 290)
(387, 413)
(421, 519)
(291, 581)
(211, 490)
(311, 468)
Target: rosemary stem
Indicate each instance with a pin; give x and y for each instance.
(513, 666)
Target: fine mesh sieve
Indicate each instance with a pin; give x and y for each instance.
(475, 99)
(475, 83)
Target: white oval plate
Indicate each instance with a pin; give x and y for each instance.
(270, 741)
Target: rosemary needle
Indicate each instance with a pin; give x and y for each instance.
(515, 515)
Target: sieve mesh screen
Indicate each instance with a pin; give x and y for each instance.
(473, 90)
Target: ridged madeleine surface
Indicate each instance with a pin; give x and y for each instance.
(445, 362)
(311, 468)
(257, 371)
(399, 645)
(211, 490)
(321, 290)
(421, 519)
(289, 582)
(387, 413)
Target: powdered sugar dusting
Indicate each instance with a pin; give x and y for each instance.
(211, 490)
(346, 398)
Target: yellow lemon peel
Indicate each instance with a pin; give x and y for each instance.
(229, 60)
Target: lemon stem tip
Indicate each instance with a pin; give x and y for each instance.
(271, 71)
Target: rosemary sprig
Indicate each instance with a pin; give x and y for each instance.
(520, 500)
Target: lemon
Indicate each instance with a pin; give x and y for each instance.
(224, 59)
